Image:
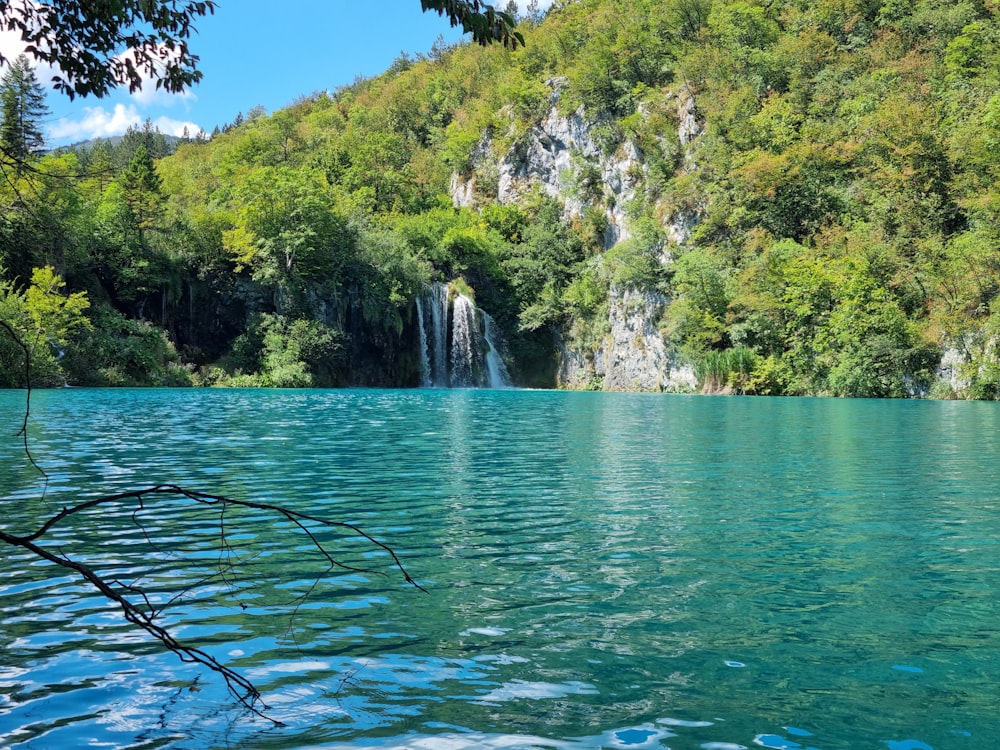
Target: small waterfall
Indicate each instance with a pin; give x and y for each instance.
(425, 360)
(496, 370)
(463, 332)
(458, 342)
(439, 320)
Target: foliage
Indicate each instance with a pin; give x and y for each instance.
(120, 351)
(283, 353)
(85, 41)
(730, 370)
(44, 321)
(841, 191)
(483, 21)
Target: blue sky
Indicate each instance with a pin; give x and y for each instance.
(258, 52)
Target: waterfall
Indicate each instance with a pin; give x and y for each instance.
(439, 321)
(463, 332)
(496, 370)
(458, 342)
(425, 360)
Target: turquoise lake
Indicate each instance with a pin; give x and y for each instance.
(601, 571)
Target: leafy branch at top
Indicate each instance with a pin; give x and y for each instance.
(483, 21)
(96, 47)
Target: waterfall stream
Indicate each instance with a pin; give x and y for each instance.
(458, 342)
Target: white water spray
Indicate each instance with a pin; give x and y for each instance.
(496, 370)
(458, 343)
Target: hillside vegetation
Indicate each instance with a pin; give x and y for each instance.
(808, 191)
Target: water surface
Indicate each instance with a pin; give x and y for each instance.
(602, 570)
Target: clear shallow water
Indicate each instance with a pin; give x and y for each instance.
(604, 570)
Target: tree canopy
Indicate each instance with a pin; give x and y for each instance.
(813, 198)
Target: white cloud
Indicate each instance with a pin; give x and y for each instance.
(170, 126)
(98, 122)
(522, 5)
(149, 95)
(10, 44)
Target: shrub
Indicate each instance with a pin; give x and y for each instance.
(727, 371)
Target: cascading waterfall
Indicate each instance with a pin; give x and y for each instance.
(463, 328)
(496, 370)
(425, 361)
(439, 319)
(458, 342)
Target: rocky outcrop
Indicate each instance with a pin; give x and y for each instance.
(949, 370)
(463, 191)
(633, 355)
(636, 358)
(691, 124)
(561, 156)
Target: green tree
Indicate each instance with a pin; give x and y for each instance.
(22, 105)
(43, 319)
(141, 189)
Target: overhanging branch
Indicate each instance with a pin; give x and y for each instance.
(134, 600)
(137, 605)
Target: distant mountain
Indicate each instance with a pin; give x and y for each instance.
(171, 140)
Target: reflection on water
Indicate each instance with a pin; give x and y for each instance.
(603, 570)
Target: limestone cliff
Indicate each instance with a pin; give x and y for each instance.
(557, 155)
(633, 356)
(552, 156)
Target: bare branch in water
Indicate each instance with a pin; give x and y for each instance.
(136, 602)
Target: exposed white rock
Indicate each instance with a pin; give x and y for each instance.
(682, 222)
(634, 355)
(621, 179)
(545, 158)
(551, 156)
(691, 125)
(579, 371)
(953, 360)
(681, 225)
(463, 191)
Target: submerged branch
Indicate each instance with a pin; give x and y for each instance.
(140, 609)
(136, 602)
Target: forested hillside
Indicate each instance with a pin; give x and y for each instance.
(784, 197)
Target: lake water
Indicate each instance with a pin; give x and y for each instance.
(601, 570)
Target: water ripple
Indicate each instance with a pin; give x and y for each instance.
(603, 570)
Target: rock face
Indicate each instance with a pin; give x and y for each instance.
(561, 156)
(949, 370)
(633, 355)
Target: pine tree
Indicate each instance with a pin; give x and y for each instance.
(141, 187)
(22, 104)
